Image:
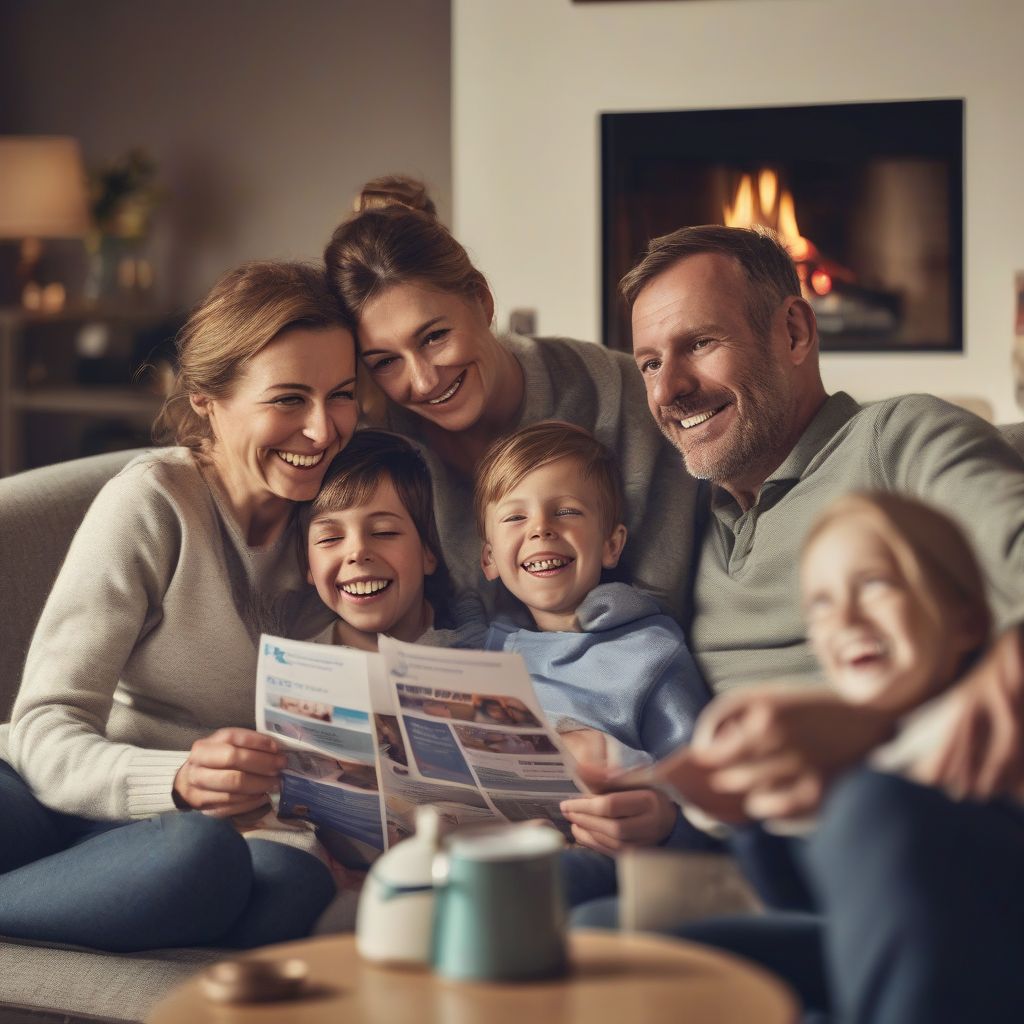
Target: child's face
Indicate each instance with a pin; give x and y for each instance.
(547, 542)
(368, 563)
(869, 627)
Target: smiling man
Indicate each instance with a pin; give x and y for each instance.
(728, 351)
(732, 385)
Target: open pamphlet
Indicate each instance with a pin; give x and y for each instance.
(369, 737)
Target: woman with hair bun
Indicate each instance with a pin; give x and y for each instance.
(423, 320)
(137, 701)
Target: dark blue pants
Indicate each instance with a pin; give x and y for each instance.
(904, 907)
(180, 879)
(923, 903)
(587, 875)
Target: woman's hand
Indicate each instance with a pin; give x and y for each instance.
(982, 755)
(613, 821)
(229, 772)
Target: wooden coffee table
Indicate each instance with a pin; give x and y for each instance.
(615, 977)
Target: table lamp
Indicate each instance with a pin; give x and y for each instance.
(42, 195)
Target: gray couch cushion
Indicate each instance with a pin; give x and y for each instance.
(1014, 433)
(78, 982)
(39, 513)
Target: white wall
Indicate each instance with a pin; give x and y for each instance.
(265, 116)
(531, 76)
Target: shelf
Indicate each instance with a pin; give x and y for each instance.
(16, 317)
(91, 401)
(48, 415)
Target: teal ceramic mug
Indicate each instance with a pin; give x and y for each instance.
(499, 912)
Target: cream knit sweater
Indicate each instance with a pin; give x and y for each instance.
(149, 641)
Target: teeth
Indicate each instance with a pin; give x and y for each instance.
(304, 461)
(545, 563)
(448, 394)
(361, 588)
(868, 649)
(694, 421)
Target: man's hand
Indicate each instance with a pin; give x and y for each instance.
(691, 780)
(778, 748)
(982, 755)
(230, 772)
(613, 821)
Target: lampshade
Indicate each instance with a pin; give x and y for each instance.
(42, 187)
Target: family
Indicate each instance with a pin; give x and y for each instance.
(683, 545)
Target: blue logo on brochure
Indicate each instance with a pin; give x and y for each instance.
(276, 653)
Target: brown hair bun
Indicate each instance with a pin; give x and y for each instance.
(393, 238)
(395, 190)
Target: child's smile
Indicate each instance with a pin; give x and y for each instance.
(548, 543)
(364, 589)
(547, 564)
(875, 639)
(368, 563)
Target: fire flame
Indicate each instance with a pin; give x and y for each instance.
(766, 205)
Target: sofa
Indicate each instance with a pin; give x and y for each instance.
(39, 511)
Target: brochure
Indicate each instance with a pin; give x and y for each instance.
(369, 737)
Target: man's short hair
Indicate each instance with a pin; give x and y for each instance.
(766, 263)
(512, 458)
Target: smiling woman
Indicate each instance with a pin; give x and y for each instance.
(423, 319)
(137, 701)
(287, 416)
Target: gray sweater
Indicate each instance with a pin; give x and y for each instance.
(601, 390)
(148, 641)
(747, 625)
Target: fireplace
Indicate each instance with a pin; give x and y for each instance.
(867, 196)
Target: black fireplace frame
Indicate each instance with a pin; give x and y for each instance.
(827, 132)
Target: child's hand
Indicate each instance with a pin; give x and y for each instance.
(588, 746)
(610, 823)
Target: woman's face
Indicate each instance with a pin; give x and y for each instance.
(432, 352)
(289, 412)
(870, 628)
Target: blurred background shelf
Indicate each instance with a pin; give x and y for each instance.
(110, 401)
(79, 382)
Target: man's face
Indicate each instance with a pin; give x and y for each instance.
(720, 393)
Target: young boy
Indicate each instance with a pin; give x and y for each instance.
(602, 656)
(373, 552)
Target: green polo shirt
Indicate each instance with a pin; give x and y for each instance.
(747, 625)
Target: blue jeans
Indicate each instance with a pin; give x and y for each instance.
(917, 912)
(180, 879)
(587, 875)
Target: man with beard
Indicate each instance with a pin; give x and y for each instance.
(728, 350)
